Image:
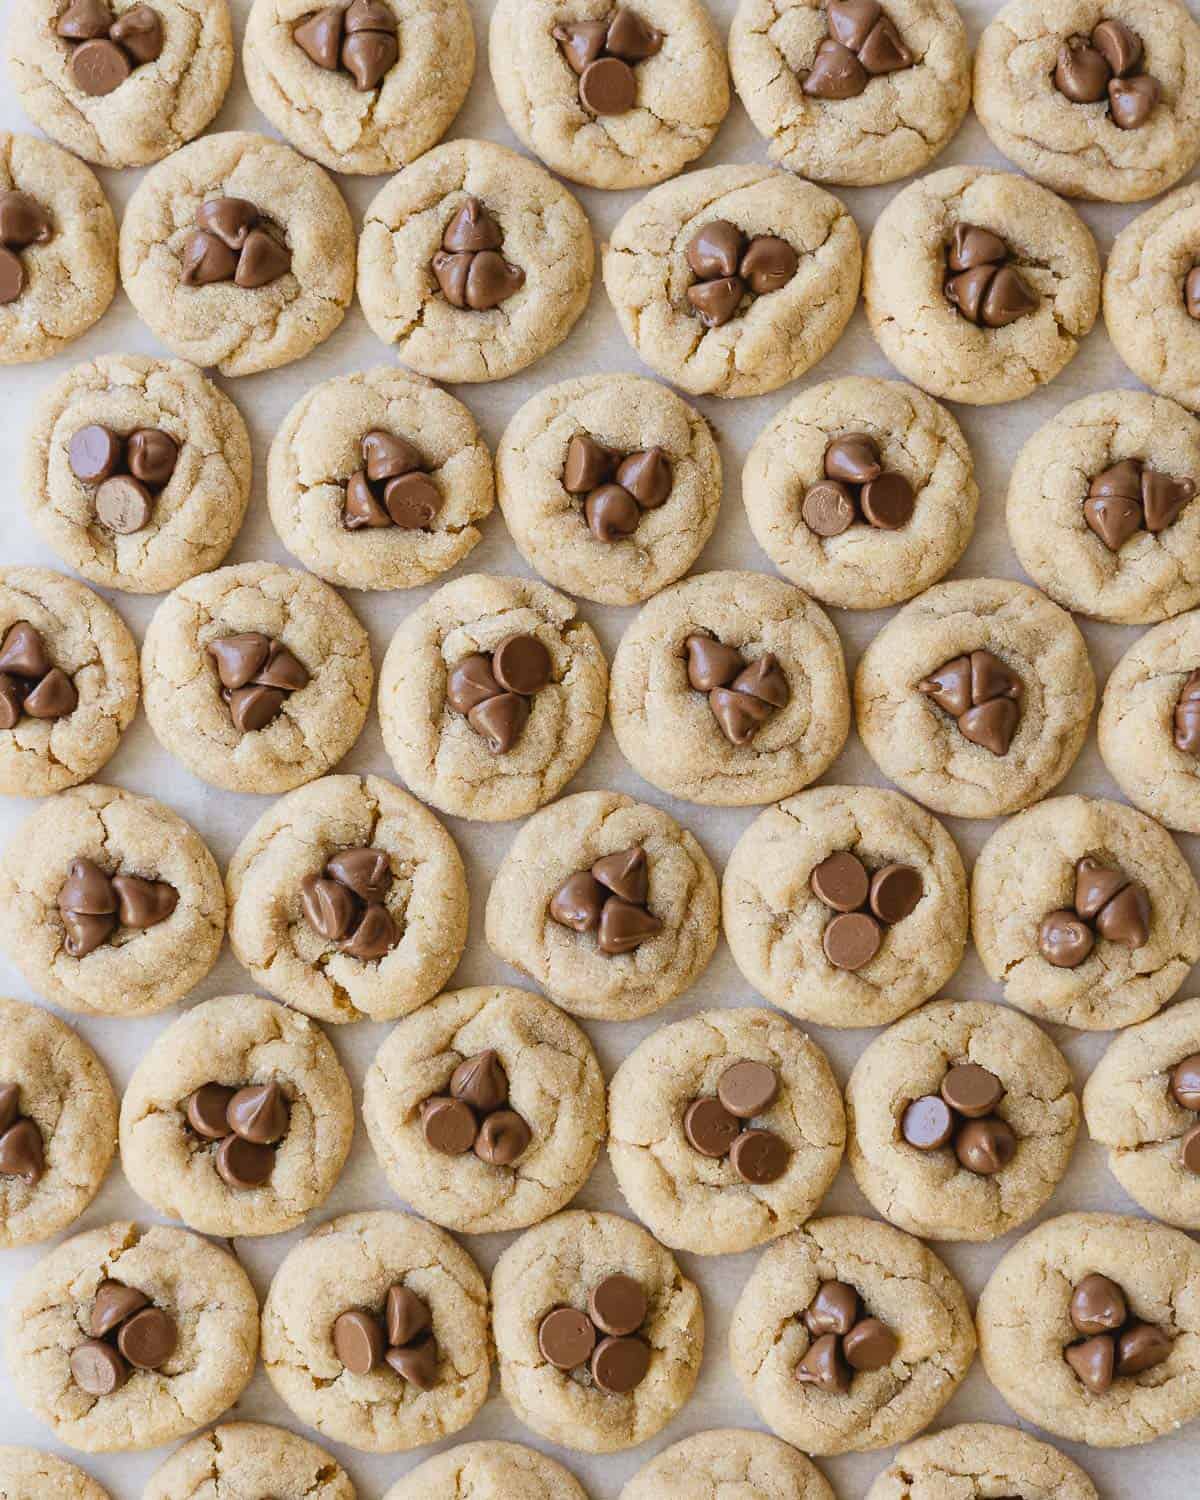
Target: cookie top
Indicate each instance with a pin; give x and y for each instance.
(249, 1457)
(984, 1457)
(246, 287)
(507, 1470)
(759, 1466)
(41, 1476)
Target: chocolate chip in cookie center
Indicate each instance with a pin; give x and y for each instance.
(609, 899)
(617, 487)
(856, 487)
(128, 1331)
(30, 683)
(741, 695)
(1105, 66)
(842, 882)
(605, 1338)
(128, 472)
(22, 1147)
(719, 1127)
(233, 242)
(475, 1115)
(244, 1126)
(105, 49)
(1129, 496)
(731, 268)
(1105, 904)
(493, 691)
(603, 53)
(359, 39)
(400, 1335)
(863, 43)
(961, 1114)
(23, 222)
(469, 268)
(1115, 1343)
(393, 487)
(1184, 1089)
(1187, 716)
(981, 284)
(96, 908)
(982, 695)
(346, 903)
(257, 676)
(843, 1340)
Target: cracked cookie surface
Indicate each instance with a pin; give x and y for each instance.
(507, 1471)
(977, 1459)
(41, 1476)
(250, 1458)
(750, 1465)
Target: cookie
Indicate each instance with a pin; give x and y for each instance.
(128, 1337)
(379, 480)
(379, 1389)
(753, 1465)
(257, 677)
(975, 698)
(367, 92)
(850, 1335)
(1088, 1329)
(117, 91)
(610, 486)
(473, 262)
(976, 1459)
(598, 1333)
(137, 472)
(730, 688)
(652, 105)
(733, 280)
(858, 97)
(110, 904)
(979, 285)
(846, 844)
(509, 1471)
(31, 1475)
(68, 682)
(238, 253)
(1086, 911)
(1094, 100)
(491, 696)
(246, 1457)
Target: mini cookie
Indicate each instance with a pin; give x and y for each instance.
(486, 1109)
(110, 904)
(726, 1130)
(360, 88)
(1086, 911)
(1088, 1328)
(730, 688)
(750, 1465)
(127, 1338)
(491, 696)
(30, 1475)
(733, 280)
(238, 1119)
(238, 253)
(977, 1459)
(137, 472)
(348, 900)
(257, 677)
(607, 903)
(598, 1333)
(473, 262)
(610, 95)
(850, 1335)
(979, 285)
(510, 1471)
(250, 1458)
(375, 1332)
(68, 682)
(852, 93)
(975, 698)
(1096, 99)
(610, 486)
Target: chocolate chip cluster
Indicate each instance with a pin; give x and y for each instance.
(853, 937)
(360, 39)
(1107, 904)
(392, 488)
(1105, 66)
(985, 289)
(94, 906)
(346, 903)
(742, 695)
(1130, 496)
(856, 487)
(983, 697)
(30, 683)
(128, 472)
(127, 1333)
(843, 1340)
(617, 486)
(604, 1338)
(469, 267)
(719, 1127)
(1187, 716)
(404, 1339)
(22, 1150)
(963, 1112)
(257, 676)
(609, 899)
(729, 267)
(246, 1125)
(862, 44)
(1114, 1343)
(475, 1116)
(1185, 1090)
(493, 692)
(107, 49)
(602, 53)
(23, 222)
(231, 243)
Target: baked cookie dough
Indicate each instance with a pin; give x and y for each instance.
(774, 325)
(198, 1292)
(508, 1471)
(750, 1465)
(899, 1283)
(249, 1458)
(704, 742)
(397, 101)
(454, 201)
(98, 433)
(444, 654)
(564, 454)
(288, 240)
(1026, 1328)
(1031, 899)
(1032, 284)
(975, 698)
(615, 1395)
(779, 928)
(349, 1265)
(325, 660)
(977, 1459)
(26, 1474)
(164, 906)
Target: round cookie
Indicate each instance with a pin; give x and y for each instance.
(897, 107)
(509, 1471)
(1049, 91)
(248, 1458)
(1025, 1326)
(318, 463)
(941, 730)
(435, 747)
(779, 929)
(326, 113)
(670, 730)
(201, 1289)
(589, 972)
(1027, 872)
(692, 1200)
(32, 1475)
(965, 1189)
(622, 126)
(1044, 284)
(750, 1465)
(977, 1459)
(108, 525)
(153, 945)
(472, 193)
(350, 1264)
(324, 656)
(559, 1265)
(427, 899)
(292, 246)
(766, 338)
(900, 1283)
(614, 549)
(68, 631)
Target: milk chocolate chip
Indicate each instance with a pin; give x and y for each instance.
(981, 285)
(29, 682)
(862, 43)
(1106, 904)
(23, 222)
(609, 899)
(729, 268)
(392, 488)
(717, 1127)
(1129, 497)
(843, 1340)
(617, 1307)
(244, 1124)
(961, 1113)
(344, 903)
(741, 697)
(477, 689)
(468, 268)
(616, 486)
(853, 937)
(856, 487)
(257, 675)
(359, 39)
(93, 906)
(104, 50)
(22, 1150)
(475, 1116)
(231, 244)
(1117, 1344)
(1104, 65)
(128, 472)
(982, 695)
(127, 1330)
(602, 54)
